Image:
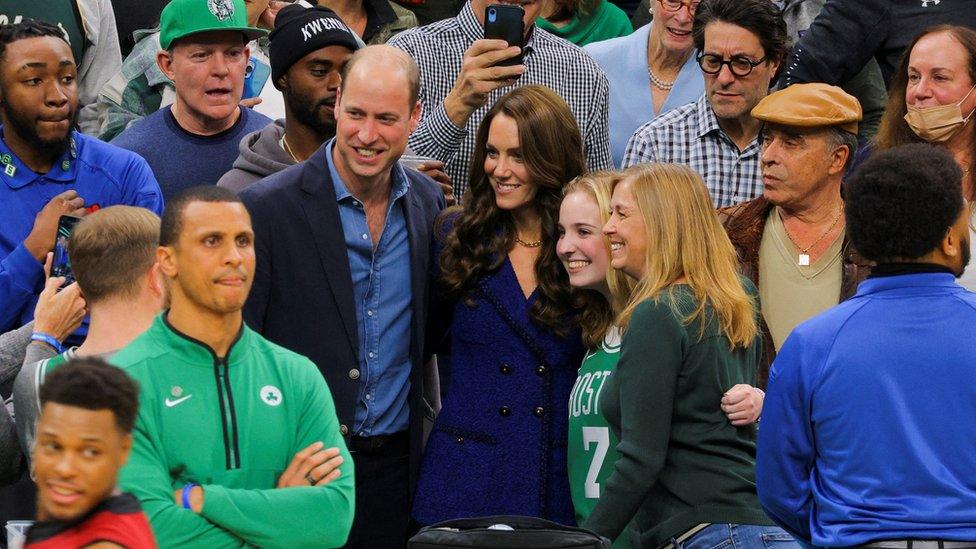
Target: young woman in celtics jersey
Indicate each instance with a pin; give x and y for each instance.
(585, 253)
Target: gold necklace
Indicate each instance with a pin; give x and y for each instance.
(803, 259)
(535, 244)
(284, 143)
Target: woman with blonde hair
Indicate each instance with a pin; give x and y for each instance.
(685, 474)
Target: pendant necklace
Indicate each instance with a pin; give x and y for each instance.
(803, 259)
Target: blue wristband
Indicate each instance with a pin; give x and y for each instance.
(49, 339)
(186, 494)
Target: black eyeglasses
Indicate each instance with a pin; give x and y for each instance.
(739, 64)
(675, 5)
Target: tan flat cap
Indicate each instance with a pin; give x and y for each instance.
(810, 106)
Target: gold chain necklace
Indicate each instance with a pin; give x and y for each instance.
(284, 144)
(803, 259)
(535, 244)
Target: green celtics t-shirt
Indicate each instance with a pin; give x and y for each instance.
(592, 445)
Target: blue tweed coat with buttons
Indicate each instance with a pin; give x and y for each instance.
(498, 446)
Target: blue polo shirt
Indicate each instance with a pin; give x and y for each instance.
(384, 306)
(102, 174)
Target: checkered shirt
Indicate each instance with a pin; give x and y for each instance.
(691, 135)
(439, 49)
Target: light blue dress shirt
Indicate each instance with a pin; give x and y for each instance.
(624, 60)
(384, 306)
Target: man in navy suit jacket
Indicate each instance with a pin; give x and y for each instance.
(343, 254)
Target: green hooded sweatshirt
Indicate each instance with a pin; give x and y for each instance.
(232, 426)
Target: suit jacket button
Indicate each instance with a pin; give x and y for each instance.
(460, 440)
(505, 411)
(505, 369)
(354, 374)
(343, 430)
(541, 370)
(539, 411)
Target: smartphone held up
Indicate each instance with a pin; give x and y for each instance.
(505, 22)
(61, 264)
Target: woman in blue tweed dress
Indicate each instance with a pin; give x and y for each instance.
(499, 443)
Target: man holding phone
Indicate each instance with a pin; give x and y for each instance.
(456, 101)
(47, 168)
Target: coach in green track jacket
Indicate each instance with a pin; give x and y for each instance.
(231, 441)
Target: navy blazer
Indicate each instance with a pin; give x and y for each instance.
(302, 297)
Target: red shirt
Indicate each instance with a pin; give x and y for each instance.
(119, 519)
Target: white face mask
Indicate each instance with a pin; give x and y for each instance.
(939, 123)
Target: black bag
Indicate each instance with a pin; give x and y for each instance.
(506, 531)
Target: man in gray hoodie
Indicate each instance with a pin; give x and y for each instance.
(309, 48)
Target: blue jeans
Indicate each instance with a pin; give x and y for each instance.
(740, 536)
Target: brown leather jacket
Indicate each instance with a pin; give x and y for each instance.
(744, 224)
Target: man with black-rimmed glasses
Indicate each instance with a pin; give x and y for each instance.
(740, 45)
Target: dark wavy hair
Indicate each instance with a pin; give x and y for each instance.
(483, 234)
(900, 202)
(894, 131)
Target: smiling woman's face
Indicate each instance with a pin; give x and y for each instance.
(582, 248)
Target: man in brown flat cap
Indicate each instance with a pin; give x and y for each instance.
(791, 241)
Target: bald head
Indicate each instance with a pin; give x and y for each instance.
(383, 59)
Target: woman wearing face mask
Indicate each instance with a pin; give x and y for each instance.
(684, 475)
(498, 446)
(585, 253)
(932, 99)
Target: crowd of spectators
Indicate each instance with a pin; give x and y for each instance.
(324, 273)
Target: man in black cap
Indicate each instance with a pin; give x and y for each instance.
(309, 48)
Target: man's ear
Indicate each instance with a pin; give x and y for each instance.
(166, 259)
(165, 61)
(283, 82)
(838, 159)
(415, 116)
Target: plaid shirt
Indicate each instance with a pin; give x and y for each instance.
(439, 48)
(691, 135)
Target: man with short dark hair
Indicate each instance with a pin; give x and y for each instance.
(791, 240)
(865, 437)
(113, 259)
(204, 52)
(48, 169)
(357, 227)
(84, 437)
(740, 45)
(266, 472)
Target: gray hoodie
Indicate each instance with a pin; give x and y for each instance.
(261, 155)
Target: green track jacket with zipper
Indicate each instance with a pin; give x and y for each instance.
(232, 426)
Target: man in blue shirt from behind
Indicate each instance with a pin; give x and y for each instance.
(47, 168)
(867, 434)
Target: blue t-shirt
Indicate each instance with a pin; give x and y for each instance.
(102, 174)
(181, 159)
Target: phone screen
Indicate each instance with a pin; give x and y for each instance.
(61, 265)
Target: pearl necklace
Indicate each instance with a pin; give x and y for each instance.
(659, 82)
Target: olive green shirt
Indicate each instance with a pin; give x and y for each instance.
(790, 293)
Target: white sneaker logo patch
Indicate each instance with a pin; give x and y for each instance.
(170, 402)
(271, 395)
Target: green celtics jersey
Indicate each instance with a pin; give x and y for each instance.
(592, 445)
